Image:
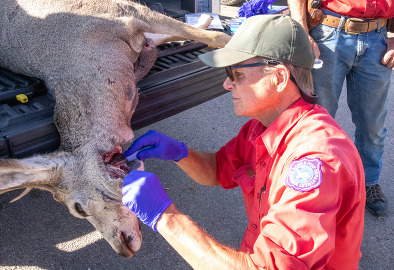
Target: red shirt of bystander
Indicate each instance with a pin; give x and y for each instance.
(303, 184)
(361, 8)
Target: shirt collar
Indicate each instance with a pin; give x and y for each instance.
(272, 136)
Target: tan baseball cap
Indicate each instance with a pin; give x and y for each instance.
(276, 37)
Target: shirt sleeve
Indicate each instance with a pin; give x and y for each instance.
(298, 230)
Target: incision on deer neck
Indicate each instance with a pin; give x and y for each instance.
(118, 166)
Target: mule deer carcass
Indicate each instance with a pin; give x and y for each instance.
(91, 54)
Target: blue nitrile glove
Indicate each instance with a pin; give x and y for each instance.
(144, 195)
(164, 147)
(254, 7)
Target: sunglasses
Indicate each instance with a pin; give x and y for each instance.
(308, 98)
(229, 69)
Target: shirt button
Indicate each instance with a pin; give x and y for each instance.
(254, 226)
(262, 164)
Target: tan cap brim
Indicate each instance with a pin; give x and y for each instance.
(224, 57)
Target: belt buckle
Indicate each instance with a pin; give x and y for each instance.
(349, 23)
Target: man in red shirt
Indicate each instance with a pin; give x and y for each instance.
(300, 175)
(351, 40)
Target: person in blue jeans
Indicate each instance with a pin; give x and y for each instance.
(352, 42)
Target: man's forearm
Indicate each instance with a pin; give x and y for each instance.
(199, 249)
(298, 12)
(201, 167)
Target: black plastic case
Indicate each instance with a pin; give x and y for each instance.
(26, 125)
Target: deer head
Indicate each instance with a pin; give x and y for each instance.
(86, 184)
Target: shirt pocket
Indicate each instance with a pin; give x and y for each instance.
(245, 177)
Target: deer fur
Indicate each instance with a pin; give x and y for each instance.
(91, 54)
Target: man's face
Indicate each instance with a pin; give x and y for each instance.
(253, 90)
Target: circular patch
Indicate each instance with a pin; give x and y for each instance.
(304, 174)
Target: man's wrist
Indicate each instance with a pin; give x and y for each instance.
(166, 217)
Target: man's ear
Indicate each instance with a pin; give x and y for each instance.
(282, 77)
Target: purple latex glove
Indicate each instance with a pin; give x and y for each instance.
(164, 147)
(144, 195)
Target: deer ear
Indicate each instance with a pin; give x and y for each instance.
(40, 171)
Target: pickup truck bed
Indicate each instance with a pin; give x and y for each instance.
(177, 81)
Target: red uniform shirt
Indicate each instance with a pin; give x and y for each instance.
(303, 184)
(361, 8)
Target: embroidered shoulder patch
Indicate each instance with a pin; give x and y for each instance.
(304, 174)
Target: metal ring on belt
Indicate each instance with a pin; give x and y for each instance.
(353, 26)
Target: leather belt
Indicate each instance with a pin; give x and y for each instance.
(353, 26)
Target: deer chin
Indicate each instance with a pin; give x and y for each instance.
(129, 252)
(128, 242)
(118, 166)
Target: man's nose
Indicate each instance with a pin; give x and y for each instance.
(227, 84)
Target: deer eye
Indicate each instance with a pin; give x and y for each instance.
(79, 210)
